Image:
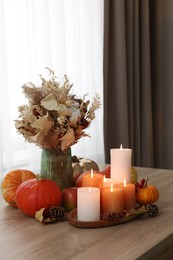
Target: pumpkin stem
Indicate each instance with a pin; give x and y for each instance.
(145, 183)
(75, 159)
(38, 177)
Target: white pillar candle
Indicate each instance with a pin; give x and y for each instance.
(88, 204)
(121, 165)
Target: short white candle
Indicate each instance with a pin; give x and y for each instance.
(88, 204)
(121, 165)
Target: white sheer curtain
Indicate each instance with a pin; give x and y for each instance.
(66, 36)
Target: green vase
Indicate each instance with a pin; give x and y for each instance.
(57, 165)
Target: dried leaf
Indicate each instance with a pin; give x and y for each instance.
(63, 110)
(135, 211)
(49, 102)
(47, 140)
(68, 139)
(71, 103)
(79, 129)
(39, 215)
(34, 138)
(74, 118)
(18, 123)
(43, 123)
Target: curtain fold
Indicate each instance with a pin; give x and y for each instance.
(133, 87)
(115, 82)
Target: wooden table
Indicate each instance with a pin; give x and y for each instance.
(22, 237)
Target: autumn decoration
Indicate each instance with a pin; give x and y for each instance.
(146, 194)
(37, 193)
(54, 118)
(12, 181)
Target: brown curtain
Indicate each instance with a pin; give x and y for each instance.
(137, 93)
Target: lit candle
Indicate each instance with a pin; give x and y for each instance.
(88, 204)
(121, 164)
(92, 180)
(129, 194)
(112, 199)
(107, 182)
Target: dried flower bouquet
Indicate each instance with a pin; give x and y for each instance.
(54, 118)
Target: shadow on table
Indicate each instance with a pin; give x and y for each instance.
(162, 251)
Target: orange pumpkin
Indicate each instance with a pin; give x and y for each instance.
(147, 195)
(11, 182)
(38, 193)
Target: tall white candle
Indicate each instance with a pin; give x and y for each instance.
(88, 204)
(121, 165)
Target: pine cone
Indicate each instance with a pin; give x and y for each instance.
(112, 215)
(152, 210)
(57, 212)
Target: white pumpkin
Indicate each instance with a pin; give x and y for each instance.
(81, 165)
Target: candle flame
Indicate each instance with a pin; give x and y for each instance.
(92, 174)
(124, 182)
(104, 179)
(121, 147)
(89, 189)
(112, 189)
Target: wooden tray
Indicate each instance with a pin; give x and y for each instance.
(72, 218)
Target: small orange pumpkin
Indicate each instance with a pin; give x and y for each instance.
(11, 182)
(147, 195)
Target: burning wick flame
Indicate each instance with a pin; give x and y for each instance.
(121, 147)
(92, 174)
(112, 189)
(89, 189)
(124, 183)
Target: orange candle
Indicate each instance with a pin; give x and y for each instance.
(92, 180)
(129, 194)
(112, 199)
(107, 182)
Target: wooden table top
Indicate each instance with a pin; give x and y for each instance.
(22, 237)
